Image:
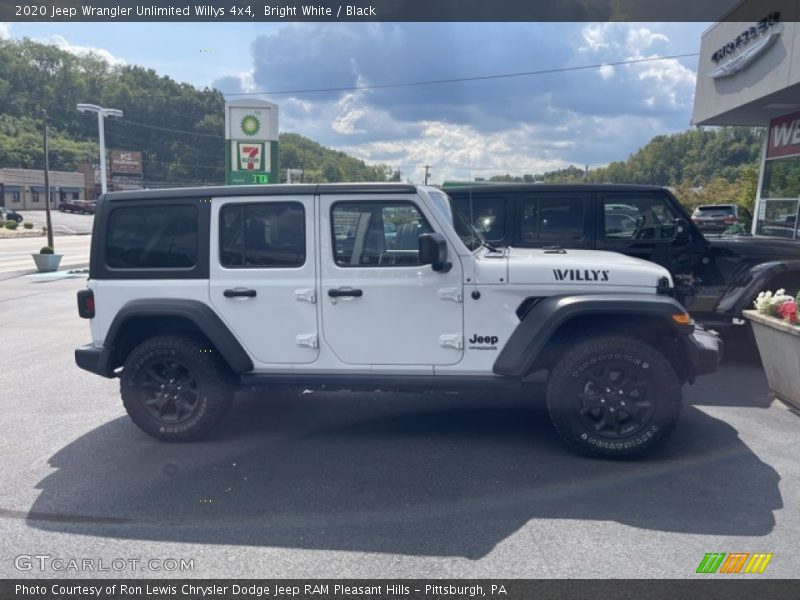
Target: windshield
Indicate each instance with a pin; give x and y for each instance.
(469, 235)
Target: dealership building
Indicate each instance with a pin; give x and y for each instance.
(24, 188)
(749, 75)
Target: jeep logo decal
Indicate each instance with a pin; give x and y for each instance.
(483, 342)
(581, 274)
(483, 339)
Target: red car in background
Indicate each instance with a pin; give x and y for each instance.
(83, 207)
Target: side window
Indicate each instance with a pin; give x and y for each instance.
(639, 217)
(152, 237)
(553, 219)
(268, 234)
(487, 215)
(374, 234)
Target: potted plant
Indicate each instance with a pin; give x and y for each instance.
(777, 333)
(47, 260)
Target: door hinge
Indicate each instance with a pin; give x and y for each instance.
(308, 340)
(451, 341)
(453, 294)
(306, 294)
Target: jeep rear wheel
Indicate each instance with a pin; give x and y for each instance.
(613, 396)
(174, 389)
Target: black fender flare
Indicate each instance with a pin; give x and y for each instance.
(198, 313)
(747, 286)
(532, 335)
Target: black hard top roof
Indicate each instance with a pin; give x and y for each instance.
(264, 190)
(552, 187)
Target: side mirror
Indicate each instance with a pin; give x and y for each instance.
(682, 230)
(433, 251)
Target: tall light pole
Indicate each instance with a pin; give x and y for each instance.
(102, 113)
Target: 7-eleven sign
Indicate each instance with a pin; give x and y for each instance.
(251, 156)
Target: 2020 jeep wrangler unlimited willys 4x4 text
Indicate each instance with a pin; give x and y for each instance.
(194, 292)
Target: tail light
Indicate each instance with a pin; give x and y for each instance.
(86, 304)
(731, 220)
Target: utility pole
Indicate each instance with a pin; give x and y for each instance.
(47, 186)
(427, 169)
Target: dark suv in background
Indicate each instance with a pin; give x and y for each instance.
(719, 217)
(715, 278)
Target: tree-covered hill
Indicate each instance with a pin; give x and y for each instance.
(702, 165)
(179, 128)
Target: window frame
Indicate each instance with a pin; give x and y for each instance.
(98, 268)
(331, 219)
(619, 197)
(243, 205)
(585, 241)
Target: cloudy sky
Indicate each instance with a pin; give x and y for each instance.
(517, 125)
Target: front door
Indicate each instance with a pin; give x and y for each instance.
(379, 305)
(263, 275)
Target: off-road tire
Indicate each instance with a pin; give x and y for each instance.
(204, 402)
(574, 398)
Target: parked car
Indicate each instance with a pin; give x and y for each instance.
(8, 214)
(83, 207)
(716, 278)
(245, 286)
(719, 217)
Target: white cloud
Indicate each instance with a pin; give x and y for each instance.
(668, 82)
(5, 31)
(606, 71)
(61, 42)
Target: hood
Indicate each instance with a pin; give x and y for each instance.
(579, 268)
(773, 248)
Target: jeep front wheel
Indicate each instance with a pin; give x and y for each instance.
(174, 388)
(613, 396)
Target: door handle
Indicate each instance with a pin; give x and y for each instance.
(239, 293)
(341, 293)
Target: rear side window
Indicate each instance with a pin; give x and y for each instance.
(553, 219)
(152, 237)
(268, 234)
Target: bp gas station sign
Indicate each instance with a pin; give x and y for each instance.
(251, 142)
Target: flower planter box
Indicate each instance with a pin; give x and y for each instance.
(47, 262)
(779, 347)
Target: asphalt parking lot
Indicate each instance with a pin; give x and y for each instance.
(374, 484)
(63, 223)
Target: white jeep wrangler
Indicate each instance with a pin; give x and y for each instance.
(194, 292)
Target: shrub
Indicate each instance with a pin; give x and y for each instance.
(27, 225)
(46, 250)
(11, 225)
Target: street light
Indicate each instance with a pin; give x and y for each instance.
(102, 113)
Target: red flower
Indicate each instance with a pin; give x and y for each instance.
(788, 310)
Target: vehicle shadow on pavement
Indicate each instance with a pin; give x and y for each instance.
(416, 474)
(740, 381)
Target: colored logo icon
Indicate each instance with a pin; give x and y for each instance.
(250, 125)
(734, 563)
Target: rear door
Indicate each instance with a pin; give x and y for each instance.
(263, 275)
